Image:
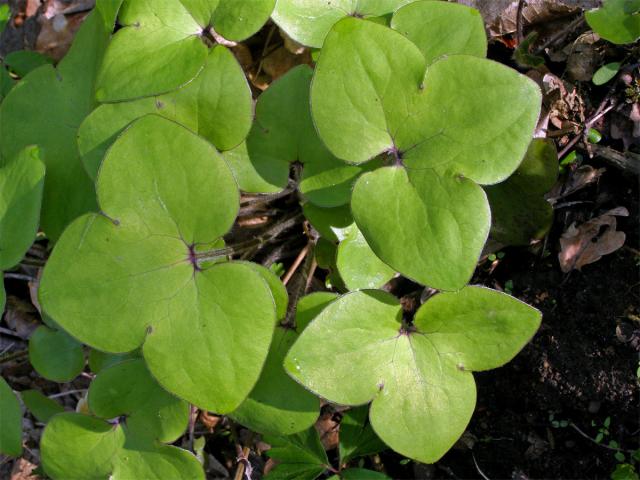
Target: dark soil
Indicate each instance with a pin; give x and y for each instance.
(581, 366)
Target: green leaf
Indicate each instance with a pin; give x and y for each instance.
(309, 21)
(277, 288)
(606, 73)
(239, 20)
(624, 471)
(143, 461)
(160, 47)
(300, 456)
(310, 306)
(358, 265)
(41, 406)
(520, 212)
(10, 421)
(594, 136)
(5, 15)
(166, 195)
(128, 389)
(21, 183)
(132, 449)
(612, 22)
(332, 223)
(357, 438)
(158, 50)
(418, 377)
(55, 355)
(46, 109)
(7, 82)
(216, 105)
(69, 437)
(277, 405)
(21, 62)
(523, 53)
(434, 229)
(435, 119)
(440, 28)
(433, 124)
(361, 474)
(98, 360)
(282, 133)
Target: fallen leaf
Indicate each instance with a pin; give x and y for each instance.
(328, 426)
(209, 420)
(20, 317)
(580, 178)
(589, 242)
(58, 25)
(501, 15)
(282, 60)
(585, 57)
(23, 470)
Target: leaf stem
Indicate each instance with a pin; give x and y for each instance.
(259, 241)
(615, 449)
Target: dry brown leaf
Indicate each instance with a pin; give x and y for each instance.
(23, 470)
(282, 60)
(20, 316)
(57, 32)
(588, 243)
(500, 15)
(291, 45)
(209, 420)
(580, 178)
(328, 426)
(586, 56)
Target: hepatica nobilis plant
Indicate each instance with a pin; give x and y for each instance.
(149, 137)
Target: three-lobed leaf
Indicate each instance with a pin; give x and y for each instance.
(165, 195)
(130, 447)
(461, 121)
(418, 377)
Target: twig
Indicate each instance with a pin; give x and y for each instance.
(478, 467)
(244, 466)
(300, 284)
(20, 276)
(11, 333)
(600, 112)
(193, 414)
(264, 49)
(68, 392)
(560, 34)
(14, 356)
(519, 26)
(296, 263)
(575, 427)
(259, 241)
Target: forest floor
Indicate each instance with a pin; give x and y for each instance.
(540, 415)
